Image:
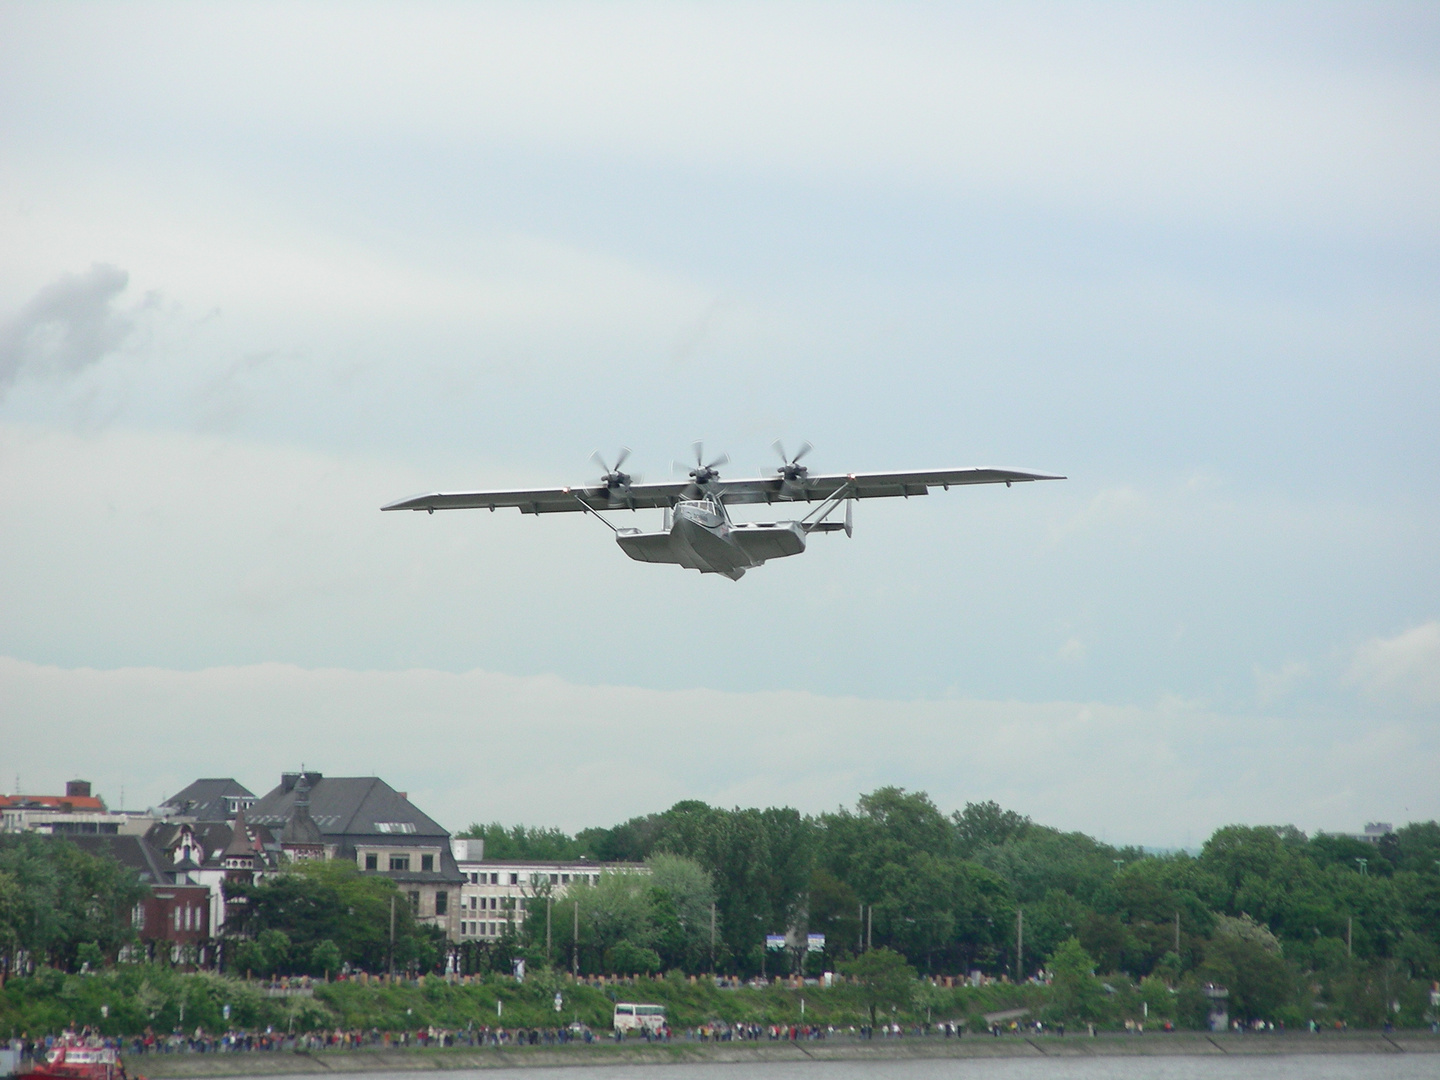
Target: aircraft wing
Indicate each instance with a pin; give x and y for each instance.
(763, 489)
(549, 500)
(871, 485)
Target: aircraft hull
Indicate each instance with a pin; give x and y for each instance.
(715, 549)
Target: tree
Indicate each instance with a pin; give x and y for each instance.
(314, 901)
(54, 897)
(885, 979)
(1076, 994)
(324, 958)
(681, 893)
(1245, 957)
(523, 842)
(275, 948)
(627, 958)
(987, 825)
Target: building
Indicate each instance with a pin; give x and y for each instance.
(215, 799)
(497, 892)
(365, 820)
(174, 919)
(1375, 831)
(202, 849)
(76, 813)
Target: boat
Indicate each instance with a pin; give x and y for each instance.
(75, 1059)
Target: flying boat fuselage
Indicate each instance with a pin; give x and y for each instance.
(702, 537)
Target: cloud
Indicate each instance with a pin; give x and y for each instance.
(1405, 666)
(478, 745)
(1274, 685)
(67, 326)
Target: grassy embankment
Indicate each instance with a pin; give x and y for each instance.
(127, 999)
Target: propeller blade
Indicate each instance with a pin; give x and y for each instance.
(723, 459)
(621, 457)
(699, 449)
(595, 457)
(779, 448)
(805, 448)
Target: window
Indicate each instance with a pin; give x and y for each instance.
(474, 879)
(514, 879)
(414, 901)
(137, 917)
(395, 826)
(564, 879)
(427, 863)
(372, 861)
(442, 902)
(494, 903)
(399, 862)
(495, 879)
(554, 879)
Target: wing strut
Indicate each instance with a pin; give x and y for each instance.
(591, 510)
(830, 504)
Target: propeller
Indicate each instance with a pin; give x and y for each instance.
(612, 479)
(792, 473)
(704, 473)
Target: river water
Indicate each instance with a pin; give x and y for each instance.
(1259, 1067)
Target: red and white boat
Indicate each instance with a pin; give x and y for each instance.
(73, 1059)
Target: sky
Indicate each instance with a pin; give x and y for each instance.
(265, 268)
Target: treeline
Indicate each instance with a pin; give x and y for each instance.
(321, 918)
(1260, 909)
(60, 906)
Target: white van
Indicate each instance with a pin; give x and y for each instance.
(631, 1017)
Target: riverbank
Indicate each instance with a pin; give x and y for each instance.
(201, 1066)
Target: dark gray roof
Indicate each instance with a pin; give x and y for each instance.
(350, 808)
(205, 800)
(150, 865)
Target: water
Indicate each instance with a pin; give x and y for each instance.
(1260, 1067)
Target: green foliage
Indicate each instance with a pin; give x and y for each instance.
(664, 914)
(886, 981)
(56, 898)
(524, 842)
(1246, 958)
(1076, 993)
(982, 825)
(626, 956)
(325, 958)
(313, 902)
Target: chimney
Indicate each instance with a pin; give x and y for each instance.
(77, 789)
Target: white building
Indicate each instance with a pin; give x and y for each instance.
(497, 892)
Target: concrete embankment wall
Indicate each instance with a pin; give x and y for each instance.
(199, 1066)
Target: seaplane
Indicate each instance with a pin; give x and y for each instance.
(697, 531)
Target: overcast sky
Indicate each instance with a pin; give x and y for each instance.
(265, 268)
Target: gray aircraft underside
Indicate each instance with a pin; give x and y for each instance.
(698, 532)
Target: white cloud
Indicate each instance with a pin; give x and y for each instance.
(481, 746)
(1406, 666)
(1204, 113)
(1274, 684)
